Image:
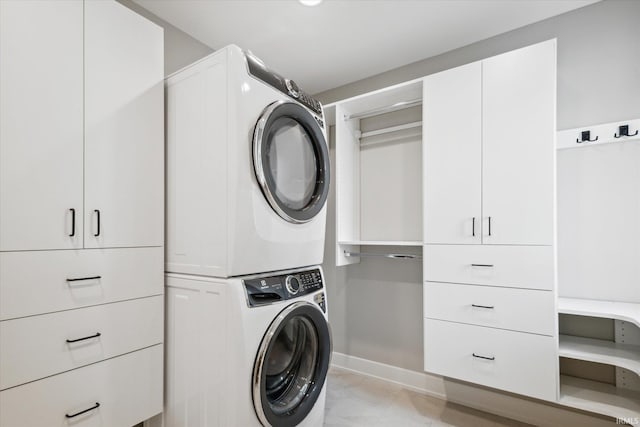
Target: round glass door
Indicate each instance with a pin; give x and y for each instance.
(291, 161)
(291, 365)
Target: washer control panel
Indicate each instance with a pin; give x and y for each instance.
(263, 290)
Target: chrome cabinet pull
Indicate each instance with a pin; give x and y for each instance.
(491, 307)
(73, 222)
(483, 357)
(79, 279)
(97, 212)
(482, 265)
(96, 335)
(96, 406)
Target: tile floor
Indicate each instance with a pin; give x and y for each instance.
(356, 400)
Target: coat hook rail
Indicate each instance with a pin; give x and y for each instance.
(392, 256)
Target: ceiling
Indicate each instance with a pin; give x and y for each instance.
(341, 41)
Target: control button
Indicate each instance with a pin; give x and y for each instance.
(292, 284)
(293, 88)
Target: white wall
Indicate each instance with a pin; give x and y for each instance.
(180, 49)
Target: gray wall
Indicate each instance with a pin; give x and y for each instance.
(376, 306)
(180, 49)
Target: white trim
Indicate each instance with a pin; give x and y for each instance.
(536, 412)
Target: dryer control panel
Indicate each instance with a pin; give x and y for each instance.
(269, 289)
(288, 87)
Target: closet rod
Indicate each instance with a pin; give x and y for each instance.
(387, 109)
(392, 256)
(391, 129)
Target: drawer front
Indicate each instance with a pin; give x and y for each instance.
(522, 363)
(506, 308)
(35, 347)
(512, 266)
(128, 389)
(36, 282)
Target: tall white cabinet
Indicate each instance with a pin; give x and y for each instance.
(489, 194)
(81, 214)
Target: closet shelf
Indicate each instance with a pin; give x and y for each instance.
(625, 356)
(381, 242)
(599, 397)
(625, 311)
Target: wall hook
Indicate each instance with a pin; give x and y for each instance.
(624, 131)
(585, 136)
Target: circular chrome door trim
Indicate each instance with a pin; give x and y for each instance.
(261, 177)
(258, 366)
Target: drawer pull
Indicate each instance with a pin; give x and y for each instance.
(483, 306)
(482, 265)
(79, 279)
(96, 406)
(85, 338)
(483, 357)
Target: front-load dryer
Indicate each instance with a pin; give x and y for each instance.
(247, 351)
(247, 169)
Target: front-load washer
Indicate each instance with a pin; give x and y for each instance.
(246, 351)
(247, 169)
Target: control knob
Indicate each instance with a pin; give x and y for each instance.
(292, 284)
(293, 88)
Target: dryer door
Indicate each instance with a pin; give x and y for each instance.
(291, 161)
(291, 365)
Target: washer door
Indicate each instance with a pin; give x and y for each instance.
(291, 161)
(291, 365)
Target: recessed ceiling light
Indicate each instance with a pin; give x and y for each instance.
(310, 2)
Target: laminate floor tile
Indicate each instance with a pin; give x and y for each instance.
(358, 401)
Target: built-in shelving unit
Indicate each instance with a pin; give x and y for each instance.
(601, 351)
(599, 397)
(378, 172)
(627, 312)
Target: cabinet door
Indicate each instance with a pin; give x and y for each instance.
(452, 156)
(40, 125)
(124, 134)
(519, 110)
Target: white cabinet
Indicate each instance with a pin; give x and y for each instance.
(489, 153)
(452, 117)
(81, 141)
(41, 136)
(489, 255)
(124, 136)
(81, 151)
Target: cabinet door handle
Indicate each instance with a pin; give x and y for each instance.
(96, 406)
(473, 226)
(489, 226)
(73, 222)
(482, 265)
(491, 307)
(96, 335)
(483, 357)
(79, 279)
(97, 212)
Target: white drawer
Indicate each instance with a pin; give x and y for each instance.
(36, 282)
(128, 389)
(35, 347)
(506, 308)
(513, 266)
(517, 362)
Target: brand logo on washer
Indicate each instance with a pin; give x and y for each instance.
(263, 284)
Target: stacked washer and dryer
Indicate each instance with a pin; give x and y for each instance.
(248, 341)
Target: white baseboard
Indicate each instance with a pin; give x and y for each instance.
(526, 410)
